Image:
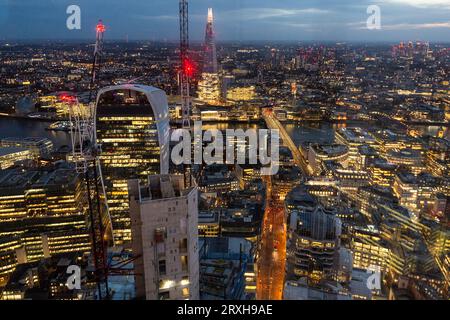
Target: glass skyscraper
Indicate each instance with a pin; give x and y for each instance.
(132, 130)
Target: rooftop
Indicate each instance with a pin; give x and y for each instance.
(35, 140)
(330, 149)
(356, 135)
(15, 178)
(11, 150)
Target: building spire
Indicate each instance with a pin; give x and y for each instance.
(210, 61)
(210, 15)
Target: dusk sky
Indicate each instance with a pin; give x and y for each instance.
(343, 20)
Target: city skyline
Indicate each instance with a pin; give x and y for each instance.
(178, 169)
(248, 20)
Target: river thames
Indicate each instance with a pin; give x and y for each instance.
(22, 128)
(316, 132)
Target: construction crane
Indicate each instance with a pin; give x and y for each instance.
(186, 72)
(98, 51)
(85, 155)
(187, 68)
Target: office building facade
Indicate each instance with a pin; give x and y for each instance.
(132, 130)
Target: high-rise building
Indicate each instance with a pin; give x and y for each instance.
(132, 130)
(314, 238)
(42, 214)
(164, 219)
(315, 241)
(209, 87)
(210, 57)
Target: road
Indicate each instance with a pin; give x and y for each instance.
(271, 261)
(273, 123)
(272, 254)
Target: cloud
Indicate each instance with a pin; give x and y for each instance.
(245, 14)
(416, 26)
(304, 26)
(438, 4)
(266, 13)
(298, 25)
(402, 26)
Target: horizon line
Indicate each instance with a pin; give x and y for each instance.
(174, 41)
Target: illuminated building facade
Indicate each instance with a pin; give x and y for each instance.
(369, 197)
(315, 242)
(354, 138)
(388, 140)
(317, 154)
(46, 279)
(241, 94)
(209, 224)
(37, 146)
(57, 104)
(164, 218)
(368, 248)
(438, 156)
(285, 181)
(407, 158)
(350, 180)
(13, 155)
(209, 87)
(217, 179)
(328, 196)
(247, 173)
(381, 173)
(132, 129)
(406, 189)
(41, 214)
(244, 222)
(12, 253)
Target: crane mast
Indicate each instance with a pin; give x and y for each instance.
(186, 66)
(85, 155)
(98, 52)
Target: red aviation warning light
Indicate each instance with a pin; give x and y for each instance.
(100, 27)
(67, 98)
(188, 68)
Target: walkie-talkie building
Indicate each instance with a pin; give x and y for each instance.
(132, 130)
